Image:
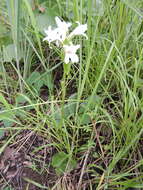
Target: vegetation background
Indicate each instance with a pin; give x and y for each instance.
(92, 138)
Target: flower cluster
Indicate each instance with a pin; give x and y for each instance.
(62, 38)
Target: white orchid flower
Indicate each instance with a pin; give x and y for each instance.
(52, 35)
(70, 53)
(58, 34)
(62, 28)
(62, 38)
(79, 30)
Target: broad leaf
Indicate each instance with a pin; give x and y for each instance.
(61, 162)
(45, 20)
(9, 53)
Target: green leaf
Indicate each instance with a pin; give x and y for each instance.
(20, 99)
(47, 80)
(1, 133)
(69, 110)
(67, 68)
(6, 116)
(35, 81)
(84, 120)
(7, 123)
(61, 162)
(24, 98)
(45, 20)
(35, 76)
(4, 101)
(9, 53)
(96, 100)
(58, 159)
(38, 84)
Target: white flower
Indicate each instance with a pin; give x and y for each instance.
(62, 28)
(70, 53)
(58, 34)
(52, 35)
(79, 30)
(61, 37)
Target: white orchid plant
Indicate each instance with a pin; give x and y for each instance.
(62, 38)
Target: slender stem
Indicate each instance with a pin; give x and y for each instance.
(63, 85)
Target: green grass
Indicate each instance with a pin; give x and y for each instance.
(99, 123)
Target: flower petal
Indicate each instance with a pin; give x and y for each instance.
(70, 53)
(74, 58)
(76, 47)
(79, 30)
(66, 60)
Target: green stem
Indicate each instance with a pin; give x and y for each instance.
(63, 85)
